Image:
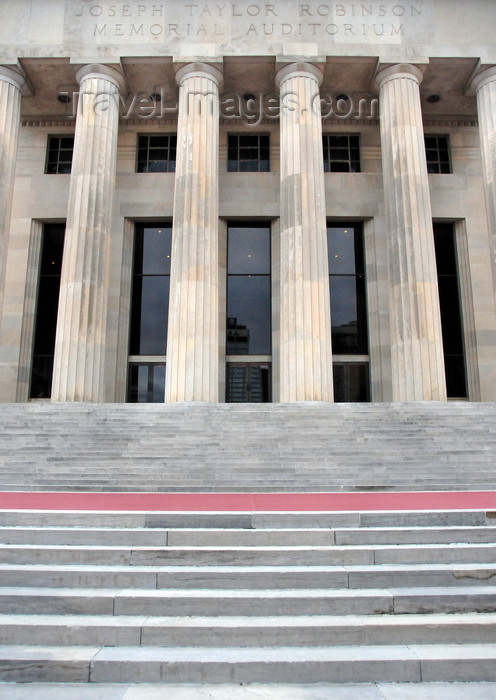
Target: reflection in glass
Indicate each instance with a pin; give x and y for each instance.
(248, 290)
(158, 387)
(139, 383)
(249, 305)
(146, 383)
(348, 315)
(149, 320)
(238, 338)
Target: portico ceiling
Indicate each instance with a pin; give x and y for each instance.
(445, 77)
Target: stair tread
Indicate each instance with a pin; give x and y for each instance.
(234, 621)
(133, 655)
(275, 593)
(226, 568)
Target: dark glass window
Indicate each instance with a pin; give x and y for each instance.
(52, 248)
(341, 153)
(248, 382)
(59, 155)
(248, 153)
(437, 154)
(451, 317)
(351, 382)
(156, 153)
(150, 295)
(248, 290)
(347, 289)
(146, 382)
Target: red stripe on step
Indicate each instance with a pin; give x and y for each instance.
(249, 502)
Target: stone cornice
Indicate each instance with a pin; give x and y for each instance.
(237, 122)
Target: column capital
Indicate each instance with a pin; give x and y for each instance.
(199, 70)
(12, 76)
(102, 71)
(488, 75)
(299, 70)
(399, 70)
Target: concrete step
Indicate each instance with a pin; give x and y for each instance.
(232, 691)
(207, 556)
(199, 537)
(412, 535)
(321, 630)
(253, 577)
(340, 664)
(235, 602)
(245, 520)
(164, 537)
(317, 630)
(198, 602)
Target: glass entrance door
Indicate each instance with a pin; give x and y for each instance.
(248, 382)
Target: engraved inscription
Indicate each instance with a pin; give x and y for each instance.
(217, 21)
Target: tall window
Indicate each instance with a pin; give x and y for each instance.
(248, 153)
(348, 311)
(59, 155)
(52, 248)
(451, 317)
(437, 154)
(149, 312)
(248, 312)
(156, 153)
(341, 153)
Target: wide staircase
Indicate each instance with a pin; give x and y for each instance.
(266, 597)
(156, 596)
(247, 447)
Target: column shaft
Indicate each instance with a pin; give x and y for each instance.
(485, 84)
(81, 325)
(305, 318)
(416, 338)
(10, 111)
(192, 372)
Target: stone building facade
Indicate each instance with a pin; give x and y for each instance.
(247, 201)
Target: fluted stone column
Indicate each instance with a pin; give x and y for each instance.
(192, 372)
(80, 341)
(485, 85)
(11, 82)
(305, 318)
(416, 338)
